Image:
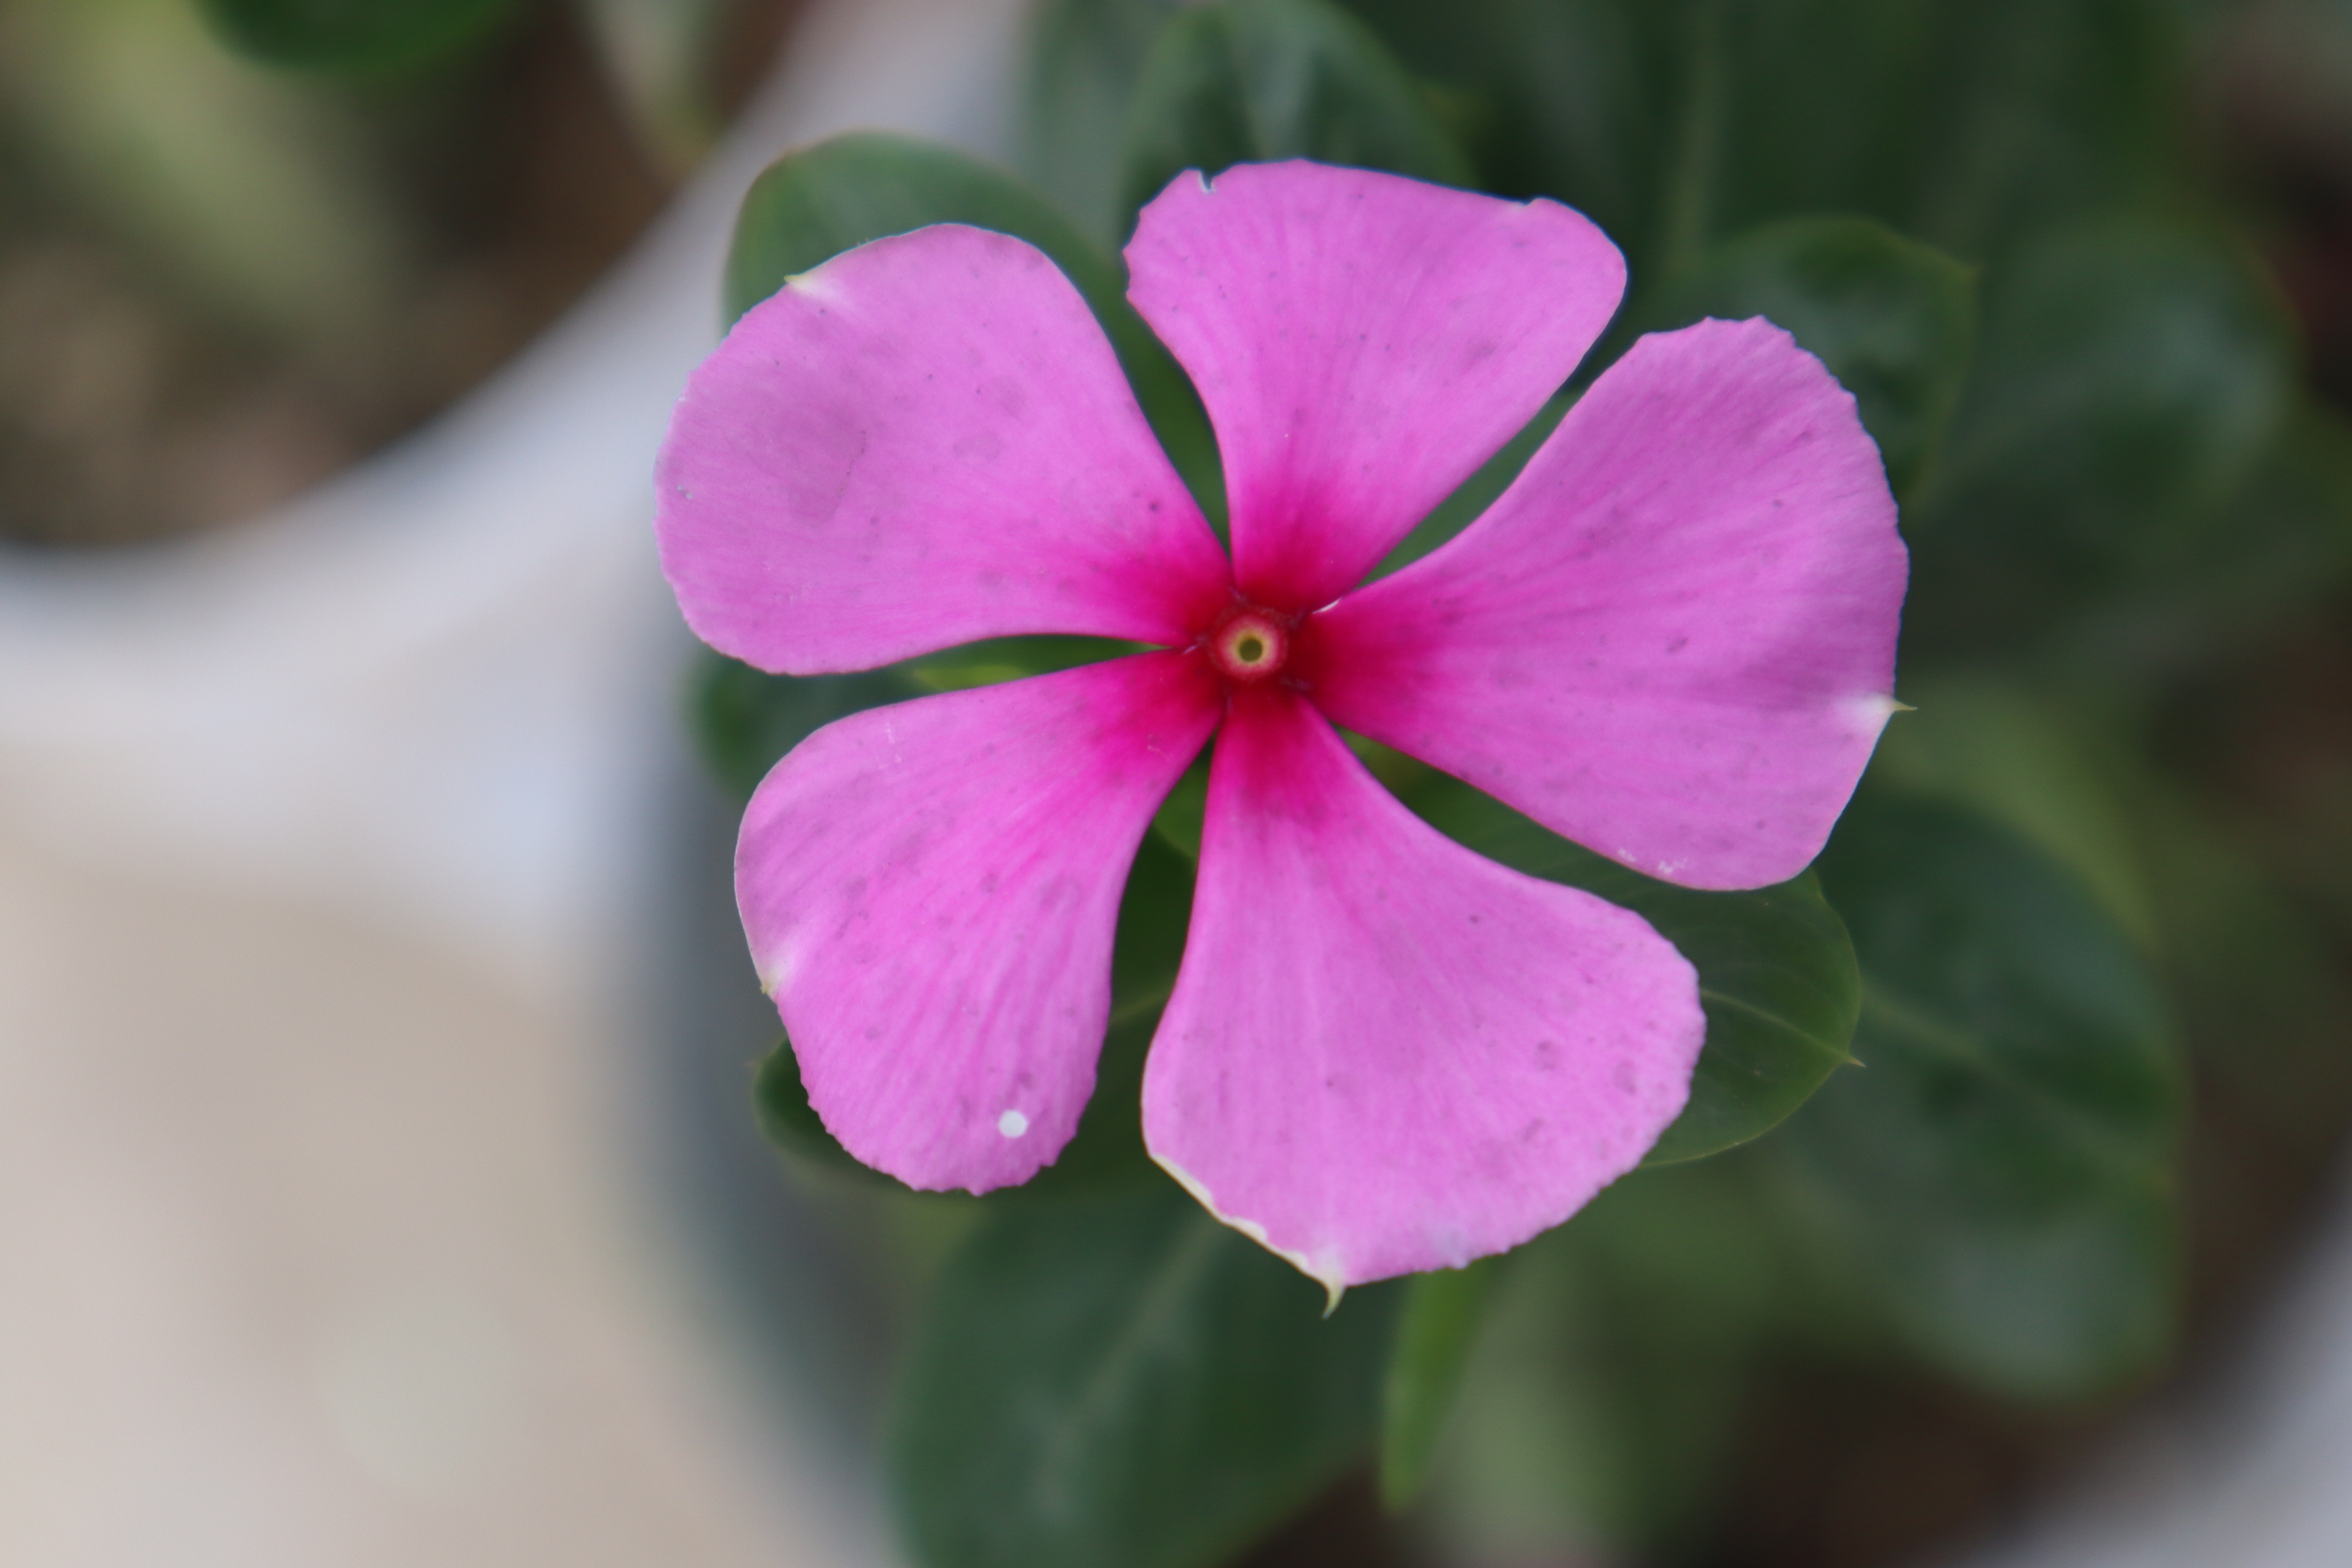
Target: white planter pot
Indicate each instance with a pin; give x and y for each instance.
(330, 847)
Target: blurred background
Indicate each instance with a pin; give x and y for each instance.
(377, 1183)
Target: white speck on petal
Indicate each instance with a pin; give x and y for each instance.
(1868, 714)
(814, 284)
(1012, 1124)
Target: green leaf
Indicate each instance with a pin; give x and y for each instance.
(2282, 544)
(1965, 122)
(2265, 1003)
(792, 1125)
(358, 37)
(1183, 817)
(2035, 113)
(1474, 495)
(1578, 97)
(1998, 1172)
(1600, 1401)
(1435, 1332)
(1893, 319)
(1107, 1149)
(1124, 1381)
(1081, 62)
(2129, 377)
(1241, 81)
(745, 720)
(815, 202)
(994, 660)
(2033, 764)
(811, 204)
(1775, 972)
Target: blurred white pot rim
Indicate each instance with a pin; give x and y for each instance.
(432, 685)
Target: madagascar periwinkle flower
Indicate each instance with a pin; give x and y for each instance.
(1671, 639)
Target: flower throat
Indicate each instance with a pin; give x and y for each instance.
(1250, 643)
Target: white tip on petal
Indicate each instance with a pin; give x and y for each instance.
(1324, 1267)
(814, 284)
(775, 968)
(1868, 714)
(1012, 1124)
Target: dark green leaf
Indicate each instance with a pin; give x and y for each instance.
(2034, 765)
(2032, 113)
(1474, 495)
(1107, 1148)
(814, 204)
(1965, 122)
(994, 660)
(1250, 80)
(1601, 1399)
(1893, 319)
(1124, 1381)
(1183, 817)
(1577, 97)
(791, 1124)
(353, 36)
(1435, 1332)
(1673, 122)
(1998, 1172)
(2283, 542)
(1081, 63)
(2257, 976)
(2129, 376)
(1776, 972)
(745, 720)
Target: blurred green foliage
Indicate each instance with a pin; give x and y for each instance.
(2000, 1175)
(1894, 319)
(1435, 1331)
(1122, 1379)
(1257, 80)
(253, 194)
(363, 37)
(1984, 215)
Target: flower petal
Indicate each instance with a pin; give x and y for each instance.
(1384, 1053)
(930, 890)
(1673, 638)
(924, 441)
(1362, 343)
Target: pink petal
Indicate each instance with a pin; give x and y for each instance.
(1673, 638)
(929, 892)
(1364, 343)
(1384, 1053)
(924, 441)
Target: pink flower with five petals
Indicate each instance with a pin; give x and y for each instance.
(1671, 639)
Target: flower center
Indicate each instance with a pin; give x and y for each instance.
(1251, 644)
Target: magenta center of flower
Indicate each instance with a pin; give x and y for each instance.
(1250, 643)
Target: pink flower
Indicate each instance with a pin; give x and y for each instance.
(1673, 640)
